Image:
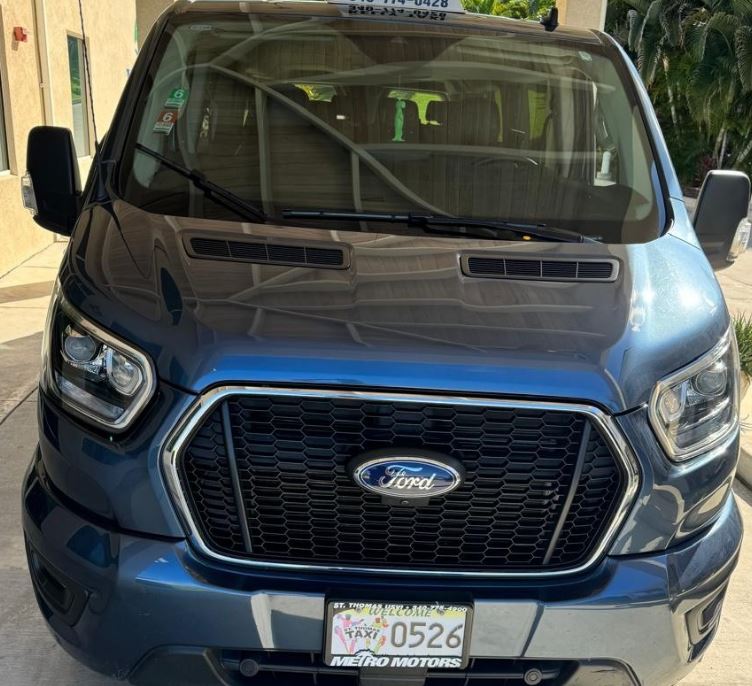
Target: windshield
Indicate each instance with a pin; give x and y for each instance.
(313, 113)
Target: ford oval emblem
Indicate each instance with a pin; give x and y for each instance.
(407, 475)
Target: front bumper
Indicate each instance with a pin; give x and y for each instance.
(150, 610)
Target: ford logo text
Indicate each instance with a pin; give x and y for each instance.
(407, 476)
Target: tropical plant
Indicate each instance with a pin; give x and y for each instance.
(695, 56)
(480, 6)
(718, 36)
(516, 9)
(743, 327)
(654, 32)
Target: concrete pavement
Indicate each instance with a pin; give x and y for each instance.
(24, 296)
(28, 654)
(736, 282)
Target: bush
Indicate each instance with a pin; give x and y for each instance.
(743, 326)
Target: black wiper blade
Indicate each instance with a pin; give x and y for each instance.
(216, 192)
(447, 225)
(393, 218)
(541, 231)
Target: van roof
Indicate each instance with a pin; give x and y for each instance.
(318, 8)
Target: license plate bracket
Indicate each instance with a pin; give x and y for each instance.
(393, 636)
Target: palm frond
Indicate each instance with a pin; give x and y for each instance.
(724, 24)
(648, 58)
(743, 43)
(696, 36)
(636, 26)
(741, 9)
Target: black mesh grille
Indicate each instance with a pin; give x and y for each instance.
(205, 466)
(302, 506)
(596, 490)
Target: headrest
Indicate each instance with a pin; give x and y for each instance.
(480, 122)
(437, 111)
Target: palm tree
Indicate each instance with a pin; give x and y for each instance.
(697, 55)
(654, 33)
(718, 36)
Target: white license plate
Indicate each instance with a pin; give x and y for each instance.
(397, 635)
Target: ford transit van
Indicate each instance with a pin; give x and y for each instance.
(384, 351)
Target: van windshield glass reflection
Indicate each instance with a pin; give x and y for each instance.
(369, 116)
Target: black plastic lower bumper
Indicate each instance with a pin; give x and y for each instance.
(197, 667)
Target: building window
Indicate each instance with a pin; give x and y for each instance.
(79, 96)
(4, 157)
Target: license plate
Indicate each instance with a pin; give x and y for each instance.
(397, 635)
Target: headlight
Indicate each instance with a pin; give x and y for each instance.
(91, 372)
(696, 408)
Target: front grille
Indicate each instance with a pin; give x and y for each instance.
(308, 669)
(265, 478)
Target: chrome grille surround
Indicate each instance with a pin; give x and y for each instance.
(209, 401)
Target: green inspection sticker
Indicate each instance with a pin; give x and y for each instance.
(177, 98)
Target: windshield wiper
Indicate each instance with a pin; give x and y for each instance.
(451, 226)
(218, 193)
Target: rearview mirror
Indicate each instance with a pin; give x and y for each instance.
(52, 186)
(721, 217)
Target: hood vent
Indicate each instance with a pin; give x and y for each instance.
(538, 269)
(324, 256)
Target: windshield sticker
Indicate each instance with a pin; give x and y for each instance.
(430, 10)
(178, 98)
(378, 11)
(166, 122)
(439, 5)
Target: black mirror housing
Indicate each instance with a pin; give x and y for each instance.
(53, 168)
(722, 205)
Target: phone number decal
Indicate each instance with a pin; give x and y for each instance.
(404, 13)
(428, 4)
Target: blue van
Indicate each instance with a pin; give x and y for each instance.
(384, 351)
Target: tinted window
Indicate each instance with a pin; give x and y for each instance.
(300, 112)
(79, 95)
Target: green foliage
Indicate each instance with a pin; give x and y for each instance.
(695, 57)
(516, 9)
(743, 327)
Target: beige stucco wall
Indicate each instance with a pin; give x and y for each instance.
(586, 14)
(148, 12)
(19, 238)
(110, 28)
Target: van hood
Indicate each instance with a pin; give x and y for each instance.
(402, 317)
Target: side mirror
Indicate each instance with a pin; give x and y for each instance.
(721, 217)
(52, 187)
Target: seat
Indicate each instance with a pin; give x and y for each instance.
(227, 146)
(480, 122)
